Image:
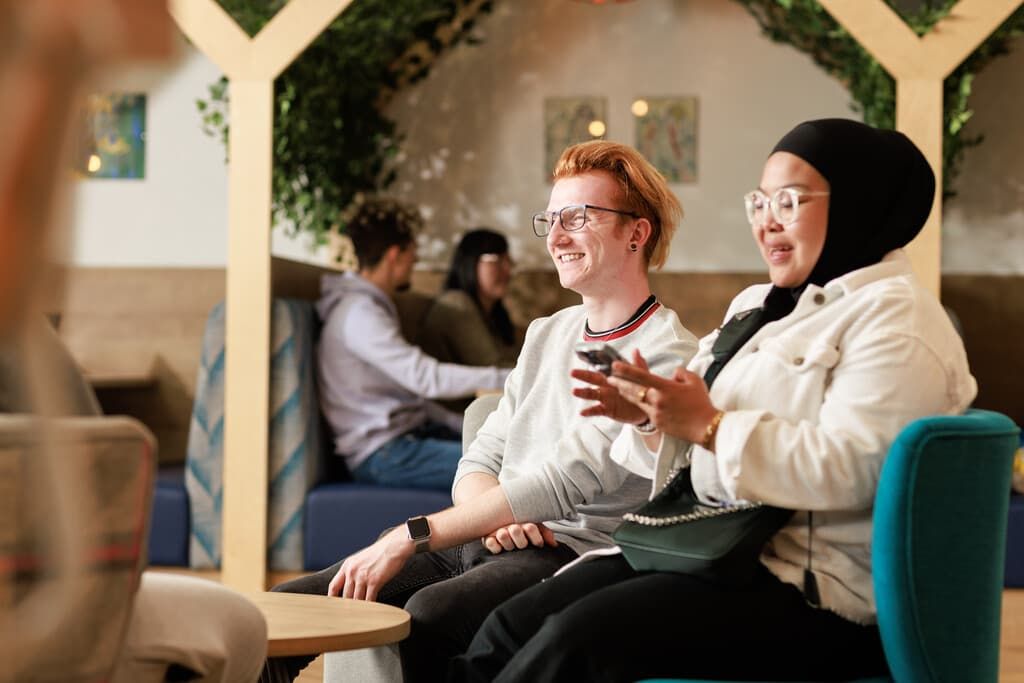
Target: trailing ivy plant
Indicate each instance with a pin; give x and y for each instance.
(332, 139)
(806, 25)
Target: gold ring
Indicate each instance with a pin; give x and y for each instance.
(642, 395)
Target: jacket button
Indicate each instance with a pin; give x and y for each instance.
(819, 298)
(798, 361)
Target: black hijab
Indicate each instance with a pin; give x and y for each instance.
(881, 190)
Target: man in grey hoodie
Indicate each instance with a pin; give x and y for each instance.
(375, 387)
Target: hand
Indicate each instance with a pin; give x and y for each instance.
(107, 31)
(679, 406)
(361, 576)
(610, 401)
(519, 536)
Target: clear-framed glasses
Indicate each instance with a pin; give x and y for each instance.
(498, 259)
(571, 217)
(784, 204)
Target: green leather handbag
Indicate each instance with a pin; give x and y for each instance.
(675, 532)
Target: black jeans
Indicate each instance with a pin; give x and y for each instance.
(602, 621)
(449, 593)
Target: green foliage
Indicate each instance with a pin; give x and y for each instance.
(806, 25)
(332, 139)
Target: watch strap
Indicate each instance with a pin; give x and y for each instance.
(418, 529)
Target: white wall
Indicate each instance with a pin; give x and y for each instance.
(177, 214)
(475, 138)
(474, 146)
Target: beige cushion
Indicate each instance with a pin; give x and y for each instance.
(76, 396)
(74, 514)
(476, 413)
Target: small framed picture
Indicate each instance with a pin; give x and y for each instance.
(569, 120)
(666, 134)
(111, 138)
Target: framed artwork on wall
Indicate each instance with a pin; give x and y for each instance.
(666, 134)
(111, 138)
(568, 120)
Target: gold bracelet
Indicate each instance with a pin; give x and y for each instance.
(711, 430)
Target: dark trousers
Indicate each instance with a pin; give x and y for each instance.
(602, 621)
(448, 593)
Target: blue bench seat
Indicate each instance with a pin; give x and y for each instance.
(343, 517)
(169, 524)
(340, 518)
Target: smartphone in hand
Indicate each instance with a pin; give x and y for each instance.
(598, 355)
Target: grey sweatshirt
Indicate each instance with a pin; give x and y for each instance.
(374, 385)
(553, 464)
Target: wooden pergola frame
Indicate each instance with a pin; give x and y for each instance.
(919, 65)
(251, 64)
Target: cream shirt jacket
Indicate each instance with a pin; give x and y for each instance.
(813, 402)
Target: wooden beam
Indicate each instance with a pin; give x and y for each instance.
(251, 64)
(213, 32)
(967, 25)
(919, 65)
(247, 378)
(880, 31)
(884, 34)
(291, 31)
(919, 116)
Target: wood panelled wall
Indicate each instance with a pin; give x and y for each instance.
(150, 321)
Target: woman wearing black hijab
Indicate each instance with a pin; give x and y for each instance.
(811, 378)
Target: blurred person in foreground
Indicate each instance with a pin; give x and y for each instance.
(178, 627)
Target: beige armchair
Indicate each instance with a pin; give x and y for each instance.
(75, 494)
(75, 498)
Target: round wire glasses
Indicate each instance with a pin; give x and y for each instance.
(784, 204)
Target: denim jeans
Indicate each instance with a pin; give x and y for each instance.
(425, 458)
(449, 593)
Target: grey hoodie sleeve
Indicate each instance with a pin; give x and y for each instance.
(373, 335)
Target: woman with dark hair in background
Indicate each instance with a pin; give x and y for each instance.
(468, 323)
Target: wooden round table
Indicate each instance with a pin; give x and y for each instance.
(311, 624)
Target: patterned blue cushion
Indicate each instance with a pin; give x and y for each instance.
(295, 439)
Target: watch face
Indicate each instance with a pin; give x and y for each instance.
(418, 528)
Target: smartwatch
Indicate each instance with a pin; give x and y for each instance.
(419, 532)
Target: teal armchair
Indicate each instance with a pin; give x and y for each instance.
(939, 544)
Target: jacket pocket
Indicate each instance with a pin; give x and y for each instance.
(801, 355)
